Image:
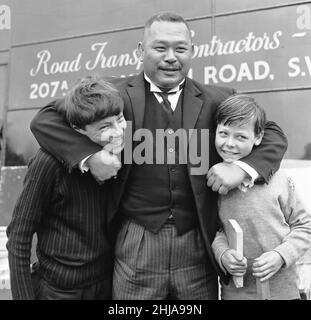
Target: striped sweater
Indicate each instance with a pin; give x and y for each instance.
(67, 212)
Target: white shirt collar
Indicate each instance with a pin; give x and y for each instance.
(154, 88)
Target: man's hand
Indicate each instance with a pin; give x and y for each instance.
(267, 265)
(223, 177)
(103, 165)
(234, 263)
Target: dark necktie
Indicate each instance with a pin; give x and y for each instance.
(166, 103)
(164, 95)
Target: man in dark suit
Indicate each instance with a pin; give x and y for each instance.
(169, 215)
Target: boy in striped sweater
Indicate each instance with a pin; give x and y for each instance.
(67, 210)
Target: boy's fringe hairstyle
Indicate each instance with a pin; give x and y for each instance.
(89, 100)
(239, 109)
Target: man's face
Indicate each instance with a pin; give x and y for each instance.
(236, 142)
(108, 132)
(166, 52)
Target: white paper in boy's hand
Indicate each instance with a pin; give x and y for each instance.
(235, 239)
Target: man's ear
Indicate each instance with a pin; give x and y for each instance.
(141, 51)
(258, 138)
(78, 129)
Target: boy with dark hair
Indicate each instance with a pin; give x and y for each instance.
(67, 209)
(276, 226)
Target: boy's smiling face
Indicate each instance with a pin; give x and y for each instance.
(108, 132)
(234, 142)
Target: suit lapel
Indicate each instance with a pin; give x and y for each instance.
(136, 92)
(192, 105)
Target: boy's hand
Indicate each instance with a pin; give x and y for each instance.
(223, 177)
(267, 265)
(234, 263)
(103, 165)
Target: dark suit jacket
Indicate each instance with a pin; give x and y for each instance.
(200, 103)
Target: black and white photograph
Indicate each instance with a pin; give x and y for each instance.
(157, 151)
